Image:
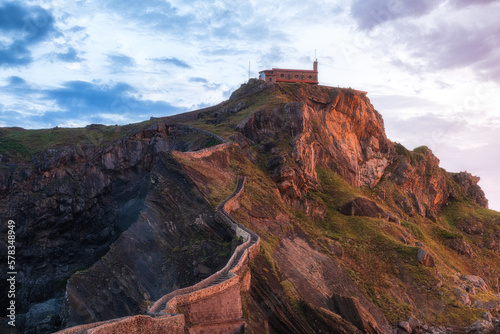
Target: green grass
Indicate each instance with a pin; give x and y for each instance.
(265, 101)
(22, 144)
(414, 157)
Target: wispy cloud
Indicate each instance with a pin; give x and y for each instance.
(371, 13)
(172, 61)
(84, 101)
(70, 56)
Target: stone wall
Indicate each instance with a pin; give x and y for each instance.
(144, 324)
(203, 153)
(222, 306)
(222, 327)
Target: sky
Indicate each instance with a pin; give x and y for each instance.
(431, 67)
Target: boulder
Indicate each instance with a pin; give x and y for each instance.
(44, 317)
(492, 306)
(460, 246)
(480, 327)
(425, 258)
(463, 296)
(202, 271)
(476, 281)
(361, 206)
(405, 326)
(487, 316)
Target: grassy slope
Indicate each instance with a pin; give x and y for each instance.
(21, 144)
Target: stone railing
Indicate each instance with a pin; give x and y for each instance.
(205, 152)
(249, 248)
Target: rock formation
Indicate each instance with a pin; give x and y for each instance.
(358, 234)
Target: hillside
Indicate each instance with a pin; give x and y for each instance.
(358, 234)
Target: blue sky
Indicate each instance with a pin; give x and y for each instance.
(431, 67)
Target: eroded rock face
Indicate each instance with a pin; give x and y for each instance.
(326, 127)
(480, 327)
(147, 260)
(426, 187)
(70, 203)
(351, 310)
(460, 246)
(340, 130)
(315, 276)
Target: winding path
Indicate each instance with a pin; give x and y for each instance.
(192, 308)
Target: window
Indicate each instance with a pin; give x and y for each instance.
(282, 75)
(296, 76)
(310, 76)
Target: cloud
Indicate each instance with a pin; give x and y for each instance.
(79, 101)
(465, 3)
(15, 54)
(86, 100)
(173, 61)
(22, 26)
(274, 56)
(371, 13)
(16, 81)
(156, 14)
(435, 36)
(450, 45)
(219, 51)
(120, 60)
(201, 80)
(75, 29)
(69, 57)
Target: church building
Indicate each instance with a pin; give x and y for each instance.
(290, 75)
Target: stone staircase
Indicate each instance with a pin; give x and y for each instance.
(191, 309)
(222, 288)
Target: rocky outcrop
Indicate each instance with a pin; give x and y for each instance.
(339, 129)
(364, 207)
(333, 128)
(480, 327)
(460, 246)
(426, 188)
(470, 187)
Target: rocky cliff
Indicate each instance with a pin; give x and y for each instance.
(84, 206)
(358, 233)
